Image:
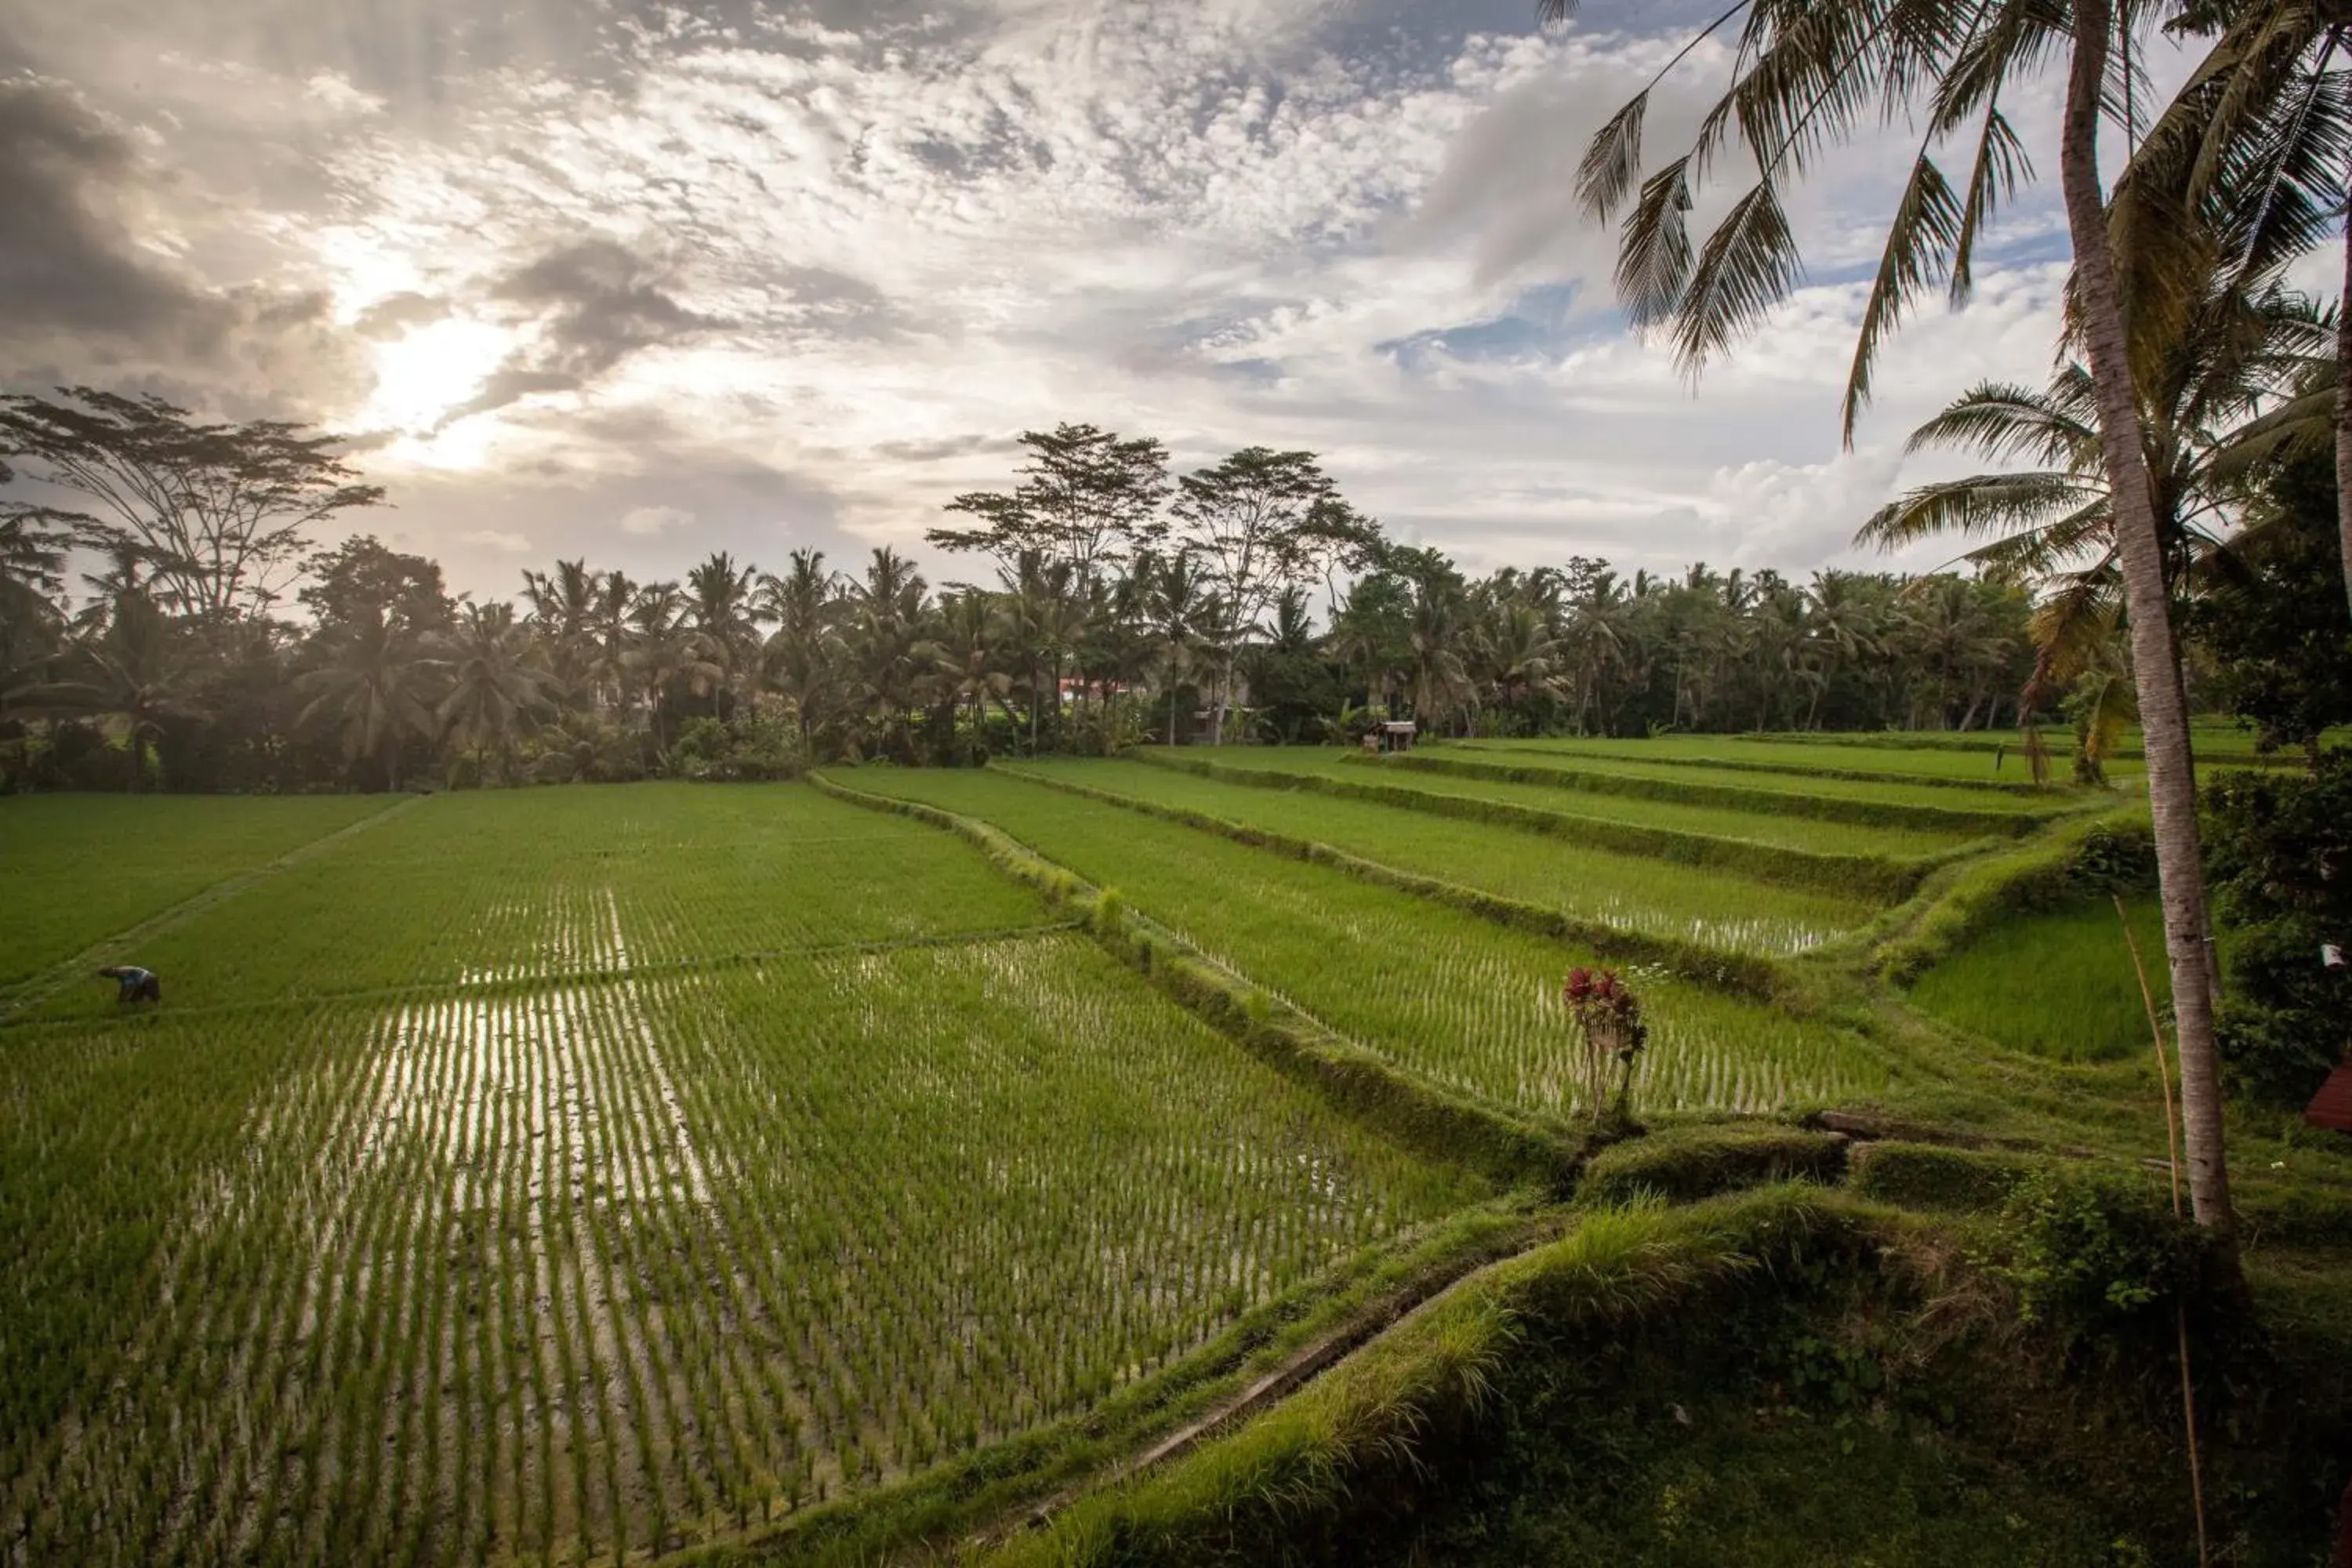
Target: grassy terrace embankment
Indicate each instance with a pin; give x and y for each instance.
(1756, 824)
(1729, 913)
(1454, 998)
(1945, 807)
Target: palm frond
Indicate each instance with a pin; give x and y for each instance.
(1654, 255)
(2007, 423)
(1611, 159)
(2000, 166)
(2075, 624)
(1978, 505)
(2285, 191)
(1748, 264)
(2037, 554)
(1927, 226)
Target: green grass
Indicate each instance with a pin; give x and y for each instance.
(1756, 769)
(1635, 892)
(1469, 1005)
(2059, 983)
(506, 886)
(1940, 763)
(81, 867)
(555, 1268)
(1758, 826)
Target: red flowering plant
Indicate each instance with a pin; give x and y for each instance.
(1607, 1017)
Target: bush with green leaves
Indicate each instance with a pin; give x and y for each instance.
(2095, 1259)
(2280, 849)
(750, 750)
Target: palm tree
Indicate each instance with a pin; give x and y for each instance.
(802, 607)
(611, 634)
(1437, 684)
(498, 682)
(131, 667)
(1520, 654)
(1806, 76)
(2202, 389)
(374, 689)
(1181, 610)
(886, 650)
(667, 656)
(1044, 626)
(719, 604)
(32, 573)
(1838, 633)
(970, 674)
(563, 607)
(2245, 170)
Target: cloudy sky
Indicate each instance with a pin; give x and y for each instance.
(637, 282)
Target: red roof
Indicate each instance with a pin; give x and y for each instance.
(2332, 1106)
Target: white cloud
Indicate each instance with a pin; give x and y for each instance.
(652, 519)
(499, 540)
(1212, 223)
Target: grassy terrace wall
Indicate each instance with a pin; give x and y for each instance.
(1566, 775)
(2112, 848)
(1883, 877)
(1416, 1113)
(1327, 1468)
(1715, 761)
(1744, 974)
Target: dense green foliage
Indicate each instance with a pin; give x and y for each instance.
(2282, 851)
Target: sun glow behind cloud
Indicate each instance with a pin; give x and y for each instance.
(431, 369)
(805, 283)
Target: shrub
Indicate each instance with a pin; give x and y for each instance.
(1929, 1176)
(2279, 849)
(751, 750)
(2093, 1258)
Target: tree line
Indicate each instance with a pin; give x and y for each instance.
(1115, 605)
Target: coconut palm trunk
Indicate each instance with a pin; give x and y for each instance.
(2164, 719)
(2344, 412)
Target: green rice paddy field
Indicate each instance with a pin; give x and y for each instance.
(572, 1174)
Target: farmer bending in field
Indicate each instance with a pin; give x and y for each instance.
(138, 984)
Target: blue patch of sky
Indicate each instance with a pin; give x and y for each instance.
(1541, 322)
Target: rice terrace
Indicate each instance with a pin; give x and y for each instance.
(1233, 783)
(577, 1175)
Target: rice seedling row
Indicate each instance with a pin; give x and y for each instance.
(1760, 826)
(1782, 781)
(82, 868)
(1654, 897)
(1458, 999)
(2058, 983)
(588, 1271)
(472, 889)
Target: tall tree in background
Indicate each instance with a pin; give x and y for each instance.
(1259, 523)
(1088, 499)
(219, 511)
(802, 606)
(127, 665)
(498, 680)
(1809, 75)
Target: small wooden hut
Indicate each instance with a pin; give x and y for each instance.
(2332, 1106)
